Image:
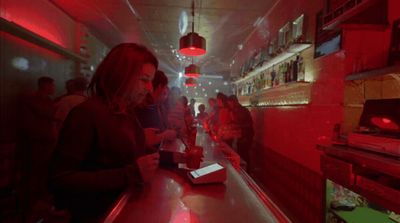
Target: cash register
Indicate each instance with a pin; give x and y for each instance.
(379, 127)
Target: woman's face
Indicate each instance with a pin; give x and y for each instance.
(142, 85)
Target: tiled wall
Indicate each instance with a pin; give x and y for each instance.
(294, 188)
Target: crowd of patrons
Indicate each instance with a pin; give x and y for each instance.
(79, 151)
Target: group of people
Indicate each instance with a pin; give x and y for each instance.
(83, 150)
(230, 122)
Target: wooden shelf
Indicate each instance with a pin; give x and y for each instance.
(291, 51)
(374, 73)
(21, 32)
(289, 94)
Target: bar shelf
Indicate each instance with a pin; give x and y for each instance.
(291, 51)
(289, 94)
(391, 70)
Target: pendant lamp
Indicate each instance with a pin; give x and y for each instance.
(192, 44)
(192, 71)
(190, 82)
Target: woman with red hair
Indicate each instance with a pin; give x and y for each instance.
(101, 148)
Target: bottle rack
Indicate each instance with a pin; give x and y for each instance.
(287, 93)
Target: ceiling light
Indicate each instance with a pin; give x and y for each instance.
(209, 83)
(192, 71)
(192, 44)
(190, 82)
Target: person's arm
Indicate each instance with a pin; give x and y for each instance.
(77, 141)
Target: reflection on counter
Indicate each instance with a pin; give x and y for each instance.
(345, 206)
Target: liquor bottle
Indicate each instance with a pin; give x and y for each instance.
(262, 81)
(269, 83)
(279, 74)
(285, 73)
(273, 76)
(295, 68)
(301, 69)
(290, 72)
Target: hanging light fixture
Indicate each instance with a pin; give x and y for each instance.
(192, 71)
(192, 44)
(190, 82)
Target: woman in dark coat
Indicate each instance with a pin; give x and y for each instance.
(101, 148)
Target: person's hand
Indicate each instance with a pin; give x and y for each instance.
(151, 136)
(148, 165)
(168, 134)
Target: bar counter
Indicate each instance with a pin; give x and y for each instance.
(171, 197)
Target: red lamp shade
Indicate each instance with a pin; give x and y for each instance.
(192, 44)
(190, 82)
(192, 71)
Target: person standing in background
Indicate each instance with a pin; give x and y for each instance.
(224, 116)
(191, 106)
(36, 138)
(76, 96)
(176, 112)
(212, 119)
(152, 113)
(241, 117)
(202, 115)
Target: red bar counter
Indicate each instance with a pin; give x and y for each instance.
(171, 197)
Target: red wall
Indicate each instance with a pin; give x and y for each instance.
(295, 131)
(285, 151)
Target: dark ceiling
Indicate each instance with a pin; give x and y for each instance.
(158, 24)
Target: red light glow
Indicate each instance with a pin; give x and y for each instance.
(192, 51)
(385, 123)
(193, 75)
(386, 120)
(190, 85)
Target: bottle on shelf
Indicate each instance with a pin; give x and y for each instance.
(289, 72)
(295, 69)
(301, 69)
(273, 76)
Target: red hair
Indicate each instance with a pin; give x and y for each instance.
(114, 74)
